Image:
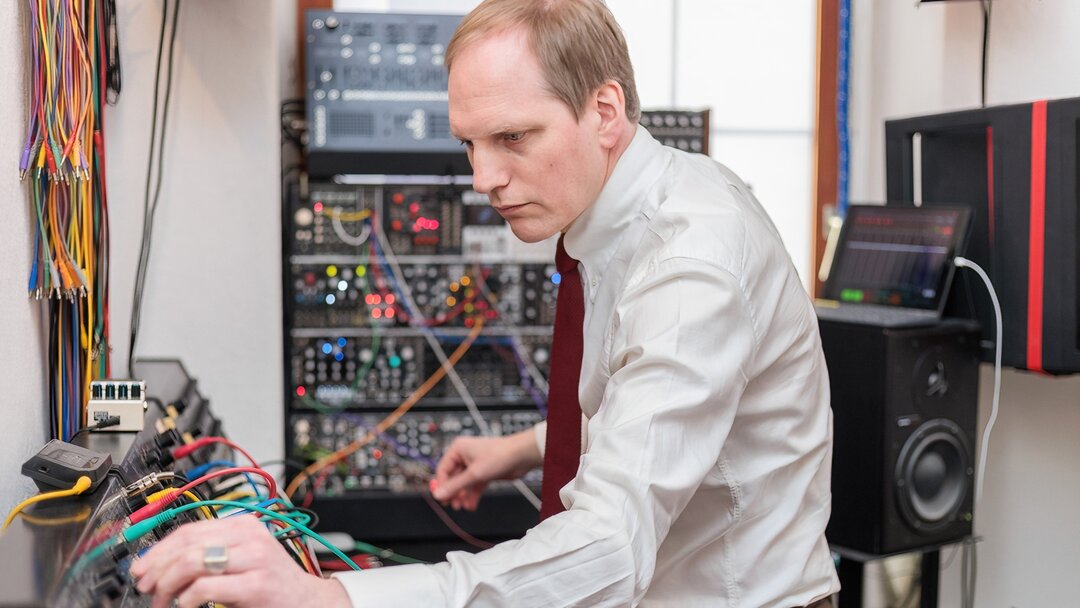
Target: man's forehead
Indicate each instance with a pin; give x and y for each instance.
(492, 84)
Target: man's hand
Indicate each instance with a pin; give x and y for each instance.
(472, 462)
(257, 569)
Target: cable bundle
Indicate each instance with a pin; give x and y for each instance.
(73, 56)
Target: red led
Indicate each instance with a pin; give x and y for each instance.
(398, 198)
(309, 278)
(369, 299)
(377, 453)
(317, 207)
(390, 299)
(491, 314)
(376, 313)
(390, 312)
(414, 208)
(469, 322)
(396, 225)
(301, 391)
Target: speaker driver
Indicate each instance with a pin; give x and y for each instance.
(932, 475)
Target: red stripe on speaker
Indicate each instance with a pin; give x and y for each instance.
(990, 184)
(1037, 237)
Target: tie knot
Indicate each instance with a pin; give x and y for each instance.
(563, 262)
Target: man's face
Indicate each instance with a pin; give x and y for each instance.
(539, 166)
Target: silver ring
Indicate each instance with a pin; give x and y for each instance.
(215, 559)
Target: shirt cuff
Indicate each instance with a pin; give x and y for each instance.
(408, 585)
(540, 433)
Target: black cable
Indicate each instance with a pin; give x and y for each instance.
(158, 403)
(987, 5)
(113, 78)
(150, 209)
(97, 426)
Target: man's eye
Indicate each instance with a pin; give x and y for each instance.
(465, 142)
(518, 136)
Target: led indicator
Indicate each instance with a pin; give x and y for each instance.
(341, 342)
(342, 285)
(301, 391)
(390, 299)
(376, 453)
(390, 312)
(395, 361)
(331, 271)
(376, 313)
(398, 198)
(556, 278)
(465, 281)
(454, 287)
(330, 299)
(361, 271)
(327, 348)
(468, 307)
(851, 295)
(339, 356)
(451, 301)
(317, 206)
(414, 208)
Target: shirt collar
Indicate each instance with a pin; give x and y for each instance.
(593, 237)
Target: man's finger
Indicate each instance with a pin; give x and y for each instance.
(450, 486)
(231, 590)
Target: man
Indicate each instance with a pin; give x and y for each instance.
(704, 473)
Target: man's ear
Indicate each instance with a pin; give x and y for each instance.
(611, 107)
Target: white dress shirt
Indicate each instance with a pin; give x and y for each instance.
(705, 474)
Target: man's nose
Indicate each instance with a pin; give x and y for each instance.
(489, 171)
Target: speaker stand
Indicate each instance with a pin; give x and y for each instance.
(852, 570)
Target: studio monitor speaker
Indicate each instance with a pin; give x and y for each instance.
(904, 404)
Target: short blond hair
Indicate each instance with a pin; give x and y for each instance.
(577, 42)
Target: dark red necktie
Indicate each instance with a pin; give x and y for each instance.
(562, 448)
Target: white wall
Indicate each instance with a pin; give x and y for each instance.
(213, 292)
(909, 61)
(25, 398)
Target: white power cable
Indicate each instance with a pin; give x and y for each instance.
(980, 473)
(451, 373)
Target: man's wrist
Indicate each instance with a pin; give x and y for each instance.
(526, 448)
(333, 594)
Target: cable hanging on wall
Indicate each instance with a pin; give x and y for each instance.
(74, 65)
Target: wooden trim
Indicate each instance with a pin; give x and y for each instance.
(825, 139)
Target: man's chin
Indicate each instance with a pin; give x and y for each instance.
(531, 234)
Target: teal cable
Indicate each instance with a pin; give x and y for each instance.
(135, 531)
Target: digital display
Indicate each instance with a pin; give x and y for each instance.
(896, 256)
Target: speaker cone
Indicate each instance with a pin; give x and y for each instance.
(932, 475)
